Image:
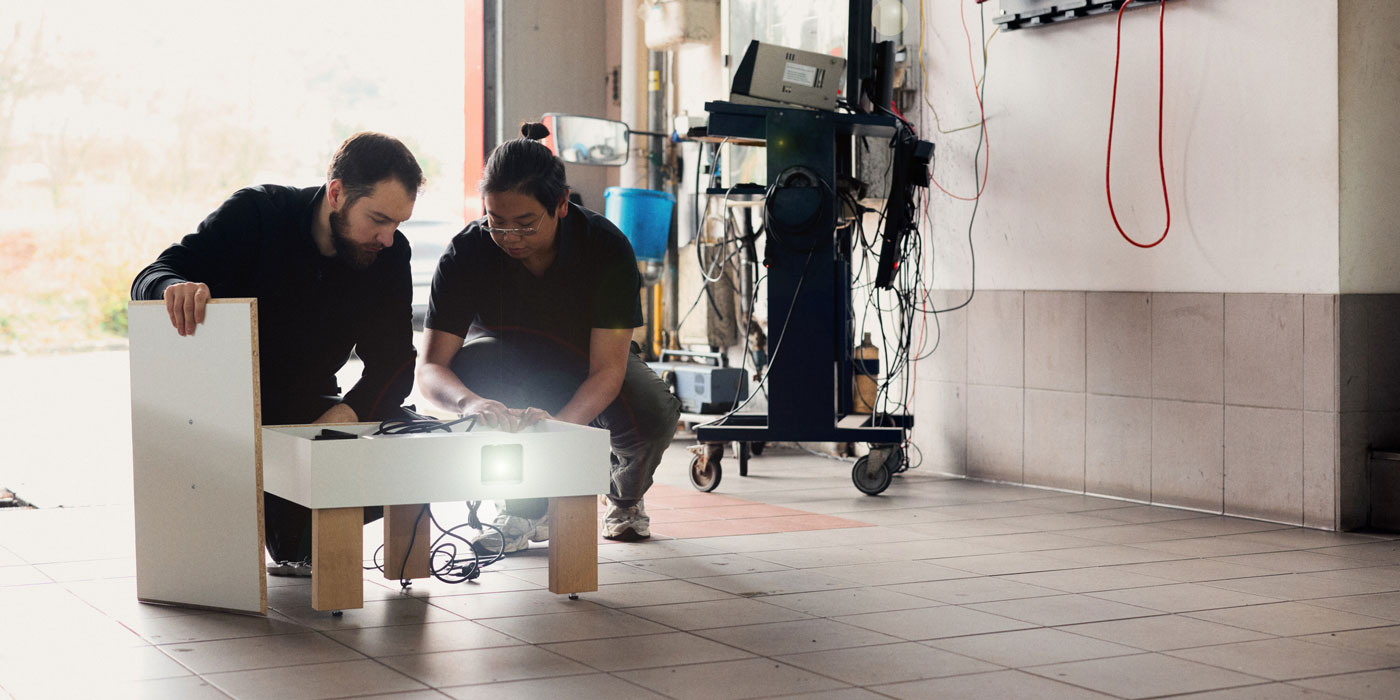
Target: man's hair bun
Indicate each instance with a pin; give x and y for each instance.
(534, 130)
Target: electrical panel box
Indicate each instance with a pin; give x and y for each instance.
(1024, 14)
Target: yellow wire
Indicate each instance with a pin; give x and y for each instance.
(923, 75)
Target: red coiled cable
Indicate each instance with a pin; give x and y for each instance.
(1113, 108)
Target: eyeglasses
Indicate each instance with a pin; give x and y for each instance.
(521, 232)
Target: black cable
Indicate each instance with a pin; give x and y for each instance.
(412, 426)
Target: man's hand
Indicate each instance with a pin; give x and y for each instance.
(531, 416)
(492, 414)
(339, 413)
(185, 303)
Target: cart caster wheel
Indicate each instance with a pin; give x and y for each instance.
(871, 480)
(757, 448)
(705, 473)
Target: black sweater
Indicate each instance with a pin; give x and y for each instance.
(312, 310)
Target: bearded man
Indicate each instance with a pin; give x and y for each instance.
(331, 275)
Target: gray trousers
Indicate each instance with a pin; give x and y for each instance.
(641, 420)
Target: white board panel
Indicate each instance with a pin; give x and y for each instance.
(196, 457)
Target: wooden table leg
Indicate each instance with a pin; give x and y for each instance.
(406, 527)
(573, 544)
(337, 549)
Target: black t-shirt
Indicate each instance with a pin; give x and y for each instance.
(592, 283)
(312, 310)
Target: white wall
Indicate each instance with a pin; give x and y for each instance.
(554, 58)
(1250, 139)
(1369, 54)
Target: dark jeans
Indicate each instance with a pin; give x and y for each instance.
(641, 420)
(287, 525)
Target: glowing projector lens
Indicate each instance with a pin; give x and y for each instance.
(502, 464)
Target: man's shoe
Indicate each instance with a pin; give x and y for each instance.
(626, 524)
(299, 569)
(519, 533)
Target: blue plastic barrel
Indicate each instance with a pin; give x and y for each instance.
(644, 217)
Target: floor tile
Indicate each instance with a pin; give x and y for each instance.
(375, 613)
(420, 639)
(1195, 570)
(1183, 597)
(1127, 534)
(707, 565)
(849, 601)
(934, 623)
(892, 572)
(1382, 605)
(1087, 580)
(313, 682)
(1372, 685)
(888, 663)
(1032, 542)
(568, 627)
(511, 604)
(1000, 564)
(1216, 525)
(1000, 684)
(648, 651)
(1294, 562)
(201, 628)
(84, 675)
(1112, 555)
(1283, 659)
(1290, 619)
(1033, 647)
(1165, 632)
(266, 651)
(774, 583)
(717, 613)
(730, 680)
(607, 574)
(474, 666)
(1377, 641)
(628, 595)
(1300, 586)
(1266, 691)
(1373, 553)
(1210, 546)
(598, 685)
(776, 638)
(972, 590)
(1063, 609)
(1143, 676)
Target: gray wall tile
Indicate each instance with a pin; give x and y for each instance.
(996, 339)
(1264, 350)
(995, 432)
(1264, 463)
(1187, 454)
(1188, 346)
(1383, 352)
(1321, 452)
(948, 363)
(1055, 340)
(1353, 497)
(1055, 439)
(940, 426)
(1118, 343)
(1320, 338)
(1351, 351)
(1118, 446)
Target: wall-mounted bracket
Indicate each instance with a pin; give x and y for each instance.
(1025, 14)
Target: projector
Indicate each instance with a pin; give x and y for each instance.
(771, 75)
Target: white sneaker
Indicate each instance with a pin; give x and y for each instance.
(626, 524)
(299, 569)
(519, 533)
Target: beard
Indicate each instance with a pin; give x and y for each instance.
(356, 256)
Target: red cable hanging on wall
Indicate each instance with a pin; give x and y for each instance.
(1112, 110)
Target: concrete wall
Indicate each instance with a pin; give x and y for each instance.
(1369, 51)
(554, 58)
(1250, 141)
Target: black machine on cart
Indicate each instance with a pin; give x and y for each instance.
(810, 336)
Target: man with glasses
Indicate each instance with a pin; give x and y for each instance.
(547, 292)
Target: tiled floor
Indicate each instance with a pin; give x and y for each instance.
(939, 588)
